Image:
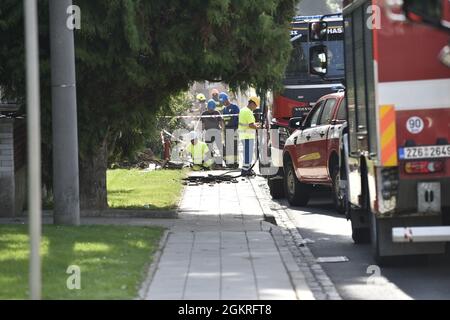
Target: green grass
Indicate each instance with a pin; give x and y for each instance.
(112, 260)
(136, 189)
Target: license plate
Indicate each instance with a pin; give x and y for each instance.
(424, 152)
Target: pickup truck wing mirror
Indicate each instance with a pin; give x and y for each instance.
(296, 123)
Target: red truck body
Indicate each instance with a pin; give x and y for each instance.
(313, 148)
(398, 145)
(312, 153)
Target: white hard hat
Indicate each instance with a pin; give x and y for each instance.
(193, 135)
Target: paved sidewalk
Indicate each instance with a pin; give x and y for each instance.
(220, 248)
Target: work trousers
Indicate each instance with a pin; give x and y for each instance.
(230, 150)
(248, 145)
(214, 137)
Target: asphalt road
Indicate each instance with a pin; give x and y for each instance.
(360, 277)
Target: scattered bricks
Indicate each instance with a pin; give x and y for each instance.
(10, 186)
(6, 164)
(6, 146)
(6, 152)
(6, 193)
(6, 157)
(6, 128)
(6, 135)
(7, 141)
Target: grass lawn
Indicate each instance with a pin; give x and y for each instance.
(112, 260)
(137, 189)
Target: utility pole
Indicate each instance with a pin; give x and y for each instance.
(34, 145)
(64, 116)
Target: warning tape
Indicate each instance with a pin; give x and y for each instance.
(200, 117)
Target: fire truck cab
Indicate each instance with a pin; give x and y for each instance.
(398, 144)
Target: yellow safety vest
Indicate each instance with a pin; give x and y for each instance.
(246, 117)
(198, 152)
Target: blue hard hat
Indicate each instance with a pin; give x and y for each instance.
(212, 104)
(223, 97)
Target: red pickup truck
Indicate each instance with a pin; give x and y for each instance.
(312, 153)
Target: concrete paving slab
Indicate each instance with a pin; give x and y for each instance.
(218, 250)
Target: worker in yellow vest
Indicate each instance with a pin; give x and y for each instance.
(200, 153)
(247, 133)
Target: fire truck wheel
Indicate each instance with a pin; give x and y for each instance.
(297, 193)
(338, 197)
(276, 188)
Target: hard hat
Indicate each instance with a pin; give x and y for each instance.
(212, 104)
(201, 97)
(223, 97)
(256, 100)
(193, 135)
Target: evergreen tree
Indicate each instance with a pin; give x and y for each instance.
(133, 55)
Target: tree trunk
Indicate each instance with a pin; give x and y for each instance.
(93, 193)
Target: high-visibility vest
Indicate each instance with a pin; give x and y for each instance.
(198, 152)
(246, 117)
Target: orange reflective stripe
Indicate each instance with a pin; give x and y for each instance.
(388, 136)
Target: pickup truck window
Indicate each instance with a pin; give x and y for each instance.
(314, 116)
(342, 112)
(327, 112)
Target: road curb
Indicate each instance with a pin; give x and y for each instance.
(296, 275)
(288, 236)
(118, 213)
(143, 291)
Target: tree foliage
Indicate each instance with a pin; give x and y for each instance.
(133, 55)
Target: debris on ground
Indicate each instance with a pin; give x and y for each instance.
(146, 160)
(209, 179)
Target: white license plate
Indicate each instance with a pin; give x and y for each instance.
(424, 152)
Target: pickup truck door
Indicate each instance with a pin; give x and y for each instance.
(306, 151)
(321, 141)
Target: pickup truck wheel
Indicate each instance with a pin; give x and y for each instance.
(338, 197)
(276, 187)
(297, 193)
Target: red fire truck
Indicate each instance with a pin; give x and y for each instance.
(398, 144)
(303, 86)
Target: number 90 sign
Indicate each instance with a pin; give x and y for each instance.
(415, 125)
